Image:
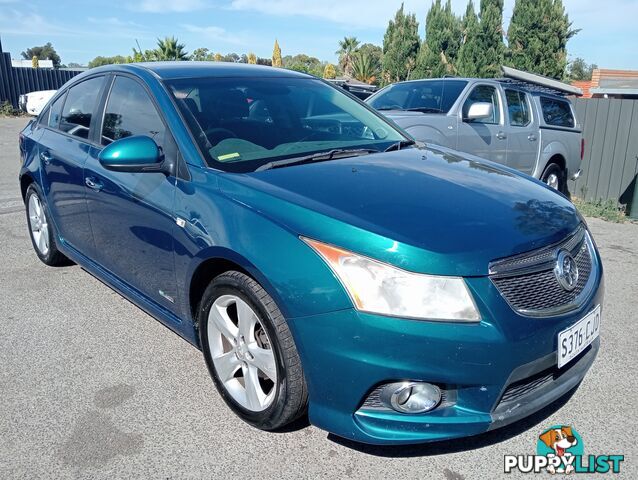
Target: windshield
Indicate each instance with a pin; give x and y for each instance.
(433, 96)
(244, 123)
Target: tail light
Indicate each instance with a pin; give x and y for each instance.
(582, 148)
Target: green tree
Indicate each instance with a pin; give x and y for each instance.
(169, 48)
(482, 50)
(347, 48)
(99, 61)
(303, 63)
(470, 56)
(439, 51)
(580, 70)
(218, 57)
(276, 55)
(252, 58)
(400, 47)
(364, 68)
(537, 37)
(45, 52)
(232, 58)
(329, 71)
(201, 55)
(375, 52)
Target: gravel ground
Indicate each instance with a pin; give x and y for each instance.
(92, 387)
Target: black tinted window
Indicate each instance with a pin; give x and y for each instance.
(517, 107)
(55, 111)
(243, 123)
(557, 112)
(79, 107)
(433, 96)
(484, 94)
(130, 111)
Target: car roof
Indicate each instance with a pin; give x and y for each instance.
(190, 69)
(529, 88)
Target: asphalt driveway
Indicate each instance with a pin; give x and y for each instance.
(92, 387)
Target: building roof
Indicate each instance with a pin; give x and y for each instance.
(610, 82)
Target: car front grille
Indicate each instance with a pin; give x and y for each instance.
(529, 285)
(520, 389)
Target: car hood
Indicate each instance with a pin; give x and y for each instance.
(404, 114)
(426, 210)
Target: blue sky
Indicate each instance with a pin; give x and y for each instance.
(81, 30)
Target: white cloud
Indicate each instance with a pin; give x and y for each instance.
(167, 6)
(214, 33)
(354, 13)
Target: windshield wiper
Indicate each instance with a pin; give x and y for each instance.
(414, 109)
(399, 145)
(424, 110)
(318, 157)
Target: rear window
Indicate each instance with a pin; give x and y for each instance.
(557, 113)
(431, 96)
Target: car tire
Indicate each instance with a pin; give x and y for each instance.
(554, 177)
(279, 393)
(42, 230)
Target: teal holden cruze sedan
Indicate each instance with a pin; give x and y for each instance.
(320, 258)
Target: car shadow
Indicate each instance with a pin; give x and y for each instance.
(460, 444)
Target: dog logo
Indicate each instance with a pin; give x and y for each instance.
(559, 449)
(566, 270)
(561, 442)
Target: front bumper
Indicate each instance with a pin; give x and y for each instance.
(347, 354)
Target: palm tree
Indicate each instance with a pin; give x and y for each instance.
(347, 47)
(364, 67)
(169, 49)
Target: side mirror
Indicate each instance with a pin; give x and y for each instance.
(479, 111)
(133, 154)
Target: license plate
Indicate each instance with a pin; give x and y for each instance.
(576, 338)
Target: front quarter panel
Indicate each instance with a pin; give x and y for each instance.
(217, 227)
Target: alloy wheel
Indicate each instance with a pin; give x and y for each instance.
(242, 354)
(553, 181)
(39, 225)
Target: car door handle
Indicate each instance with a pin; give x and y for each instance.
(93, 184)
(501, 135)
(46, 157)
(531, 137)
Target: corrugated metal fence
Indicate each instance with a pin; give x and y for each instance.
(14, 81)
(610, 165)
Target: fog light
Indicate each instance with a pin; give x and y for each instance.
(411, 397)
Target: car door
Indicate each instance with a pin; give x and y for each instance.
(132, 213)
(63, 150)
(485, 137)
(523, 142)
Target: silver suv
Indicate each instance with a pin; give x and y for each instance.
(528, 126)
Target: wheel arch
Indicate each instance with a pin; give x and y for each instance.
(559, 160)
(26, 179)
(215, 262)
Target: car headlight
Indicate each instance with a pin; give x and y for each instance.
(377, 287)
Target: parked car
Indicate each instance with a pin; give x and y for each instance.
(358, 89)
(317, 256)
(33, 102)
(523, 121)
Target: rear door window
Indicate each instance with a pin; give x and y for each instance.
(130, 111)
(80, 104)
(517, 107)
(557, 112)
